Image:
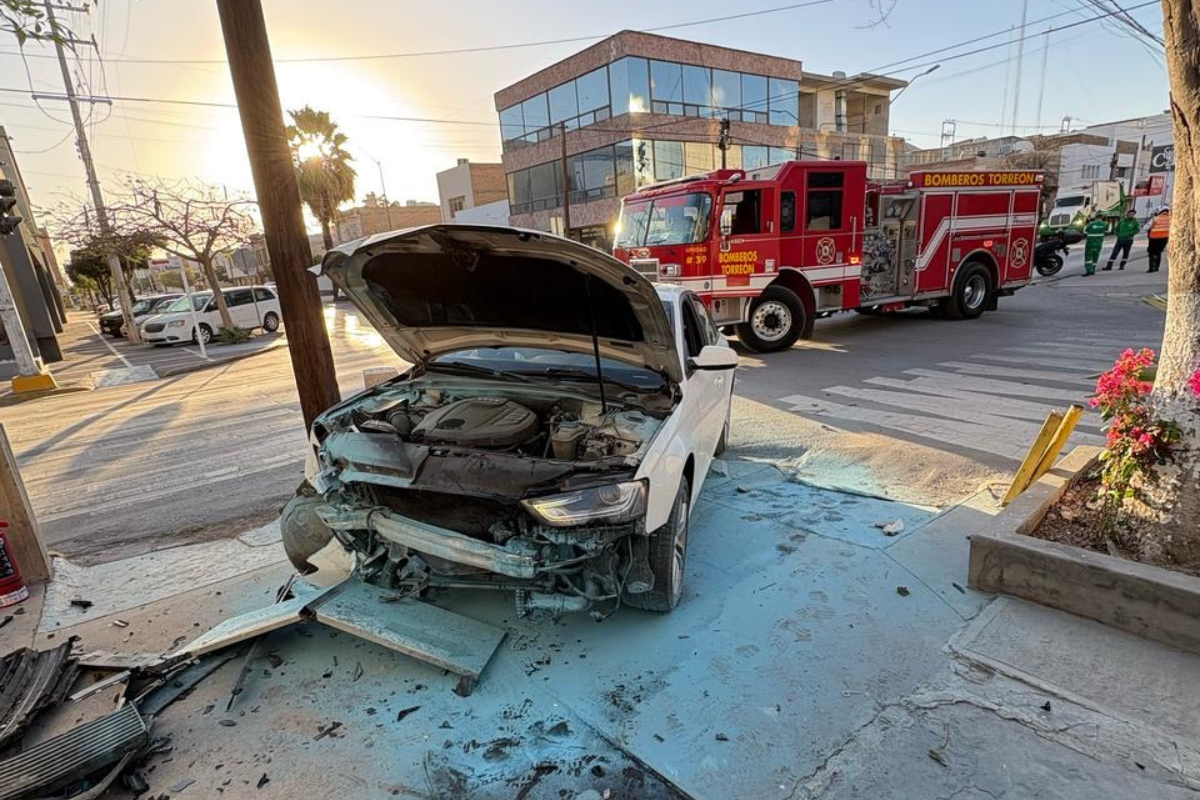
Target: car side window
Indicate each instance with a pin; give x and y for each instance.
(238, 297)
(693, 332)
(708, 329)
(263, 295)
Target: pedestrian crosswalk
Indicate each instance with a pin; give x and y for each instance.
(989, 402)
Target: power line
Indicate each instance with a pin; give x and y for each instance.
(486, 48)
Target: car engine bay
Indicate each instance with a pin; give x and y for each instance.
(435, 483)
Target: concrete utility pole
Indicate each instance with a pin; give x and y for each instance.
(249, 54)
(723, 141)
(33, 376)
(566, 181)
(85, 153)
(1020, 61)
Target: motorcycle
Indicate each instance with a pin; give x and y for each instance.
(1046, 259)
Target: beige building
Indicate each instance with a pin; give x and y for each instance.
(638, 108)
(367, 220)
(469, 186)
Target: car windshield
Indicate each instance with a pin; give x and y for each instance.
(163, 304)
(1068, 202)
(181, 304)
(534, 361)
(142, 306)
(678, 219)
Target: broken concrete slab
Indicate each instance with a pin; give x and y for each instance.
(104, 378)
(146, 578)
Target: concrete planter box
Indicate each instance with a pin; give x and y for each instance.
(1148, 601)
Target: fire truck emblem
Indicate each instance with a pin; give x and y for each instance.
(826, 250)
(1019, 252)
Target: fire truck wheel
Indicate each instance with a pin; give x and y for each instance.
(777, 319)
(972, 290)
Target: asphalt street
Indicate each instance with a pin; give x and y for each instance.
(138, 467)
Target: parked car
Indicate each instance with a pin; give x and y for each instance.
(551, 438)
(250, 307)
(113, 323)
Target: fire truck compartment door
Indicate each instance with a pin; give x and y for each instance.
(831, 224)
(749, 237)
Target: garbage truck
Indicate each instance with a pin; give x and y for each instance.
(1075, 206)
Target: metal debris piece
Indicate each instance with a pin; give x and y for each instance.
(120, 623)
(903, 591)
(183, 784)
(80, 603)
(30, 681)
(180, 684)
(263, 781)
(322, 732)
(404, 712)
(891, 528)
(99, 686)
(75, 754)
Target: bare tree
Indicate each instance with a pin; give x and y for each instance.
(192, 220)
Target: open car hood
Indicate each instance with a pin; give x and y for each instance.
(441, 288)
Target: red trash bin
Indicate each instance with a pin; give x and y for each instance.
(12, 586)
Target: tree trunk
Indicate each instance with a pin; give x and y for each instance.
(1177, 498)
(328, 237)
(211, 275)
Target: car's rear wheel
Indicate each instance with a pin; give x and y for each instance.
(972, 291)
(271, 322)
(668, 555)
(205, 334)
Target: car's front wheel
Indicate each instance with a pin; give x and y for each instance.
(205, 334)
(668, 555)
(270, 322)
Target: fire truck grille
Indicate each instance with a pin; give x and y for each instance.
(646, 266)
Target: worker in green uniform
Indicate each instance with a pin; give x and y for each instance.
(1094, 243)
(1127, 228)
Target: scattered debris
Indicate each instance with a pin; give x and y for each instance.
(961, 590)
(903, 591)
(358, 671)
(661, 739)
(183, 784)
(539, 772)
(227, 723)
(446, 725)
(722, 737)
(404, 712)
(891, 528)
(274, 660)
(263, 781)
(99, 686)
(120, 623)
(1046, 706)
(7, 619)
(938, 753)
(744, 490)
(33, 680)
(80, 603)
(322, 732)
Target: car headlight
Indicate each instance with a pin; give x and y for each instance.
(615, 503)
(176, 323)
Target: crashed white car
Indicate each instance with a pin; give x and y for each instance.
(550, 439)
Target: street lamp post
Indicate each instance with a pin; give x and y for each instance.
(934, 68)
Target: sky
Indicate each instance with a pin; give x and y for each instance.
(1095, 72)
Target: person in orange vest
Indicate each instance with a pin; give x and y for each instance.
(1159, 230)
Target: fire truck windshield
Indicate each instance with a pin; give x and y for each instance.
(677, 219)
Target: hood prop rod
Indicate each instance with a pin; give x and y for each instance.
(587, 287)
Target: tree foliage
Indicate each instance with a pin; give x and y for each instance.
(323, 169)
(27, 18)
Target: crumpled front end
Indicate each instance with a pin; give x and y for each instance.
(526, 490)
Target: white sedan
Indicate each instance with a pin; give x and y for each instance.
(550, 440)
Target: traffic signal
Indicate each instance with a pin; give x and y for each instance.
(8, 199)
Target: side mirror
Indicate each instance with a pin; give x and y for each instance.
(714, 357)
(726, 221)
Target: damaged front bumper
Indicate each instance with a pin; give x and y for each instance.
(435, 541)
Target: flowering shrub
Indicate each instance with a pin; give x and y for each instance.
(1137, 439)
(1194, 383)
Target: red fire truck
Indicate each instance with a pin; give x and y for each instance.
(771, 249)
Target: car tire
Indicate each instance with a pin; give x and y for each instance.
(270, 322)
(206, 334)
(972, 292)
(668, 556)
(777, 320)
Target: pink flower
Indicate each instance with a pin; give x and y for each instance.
(1146, 440)
(1194, 383)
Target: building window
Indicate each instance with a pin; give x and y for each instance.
(878, 109)
(563, 103)
(777, 155)
(512, 124)
(697, 86)
(624, 163)
(666, 83)
(726, 89)
(824, 201)
(592, 90)
(456, 204)
(537, 117)
(697, 157)
(643, 161)
(754, 96)
(629, 81)
(668, 160)
(754, 156)
(593, 174)
(784, 102)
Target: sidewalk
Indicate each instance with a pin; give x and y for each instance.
(812, 656)
(93, 360)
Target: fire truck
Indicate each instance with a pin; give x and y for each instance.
(770, 250)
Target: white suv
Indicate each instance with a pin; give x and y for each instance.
(250, 306)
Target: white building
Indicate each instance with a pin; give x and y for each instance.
(475, 193)
(1152, 177)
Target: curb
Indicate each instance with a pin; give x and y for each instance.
(1147, 601)
(10, 399)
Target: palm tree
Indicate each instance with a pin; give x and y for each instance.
(323, 168)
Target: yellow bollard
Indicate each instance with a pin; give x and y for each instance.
(1065, 429)
(1033, 458)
